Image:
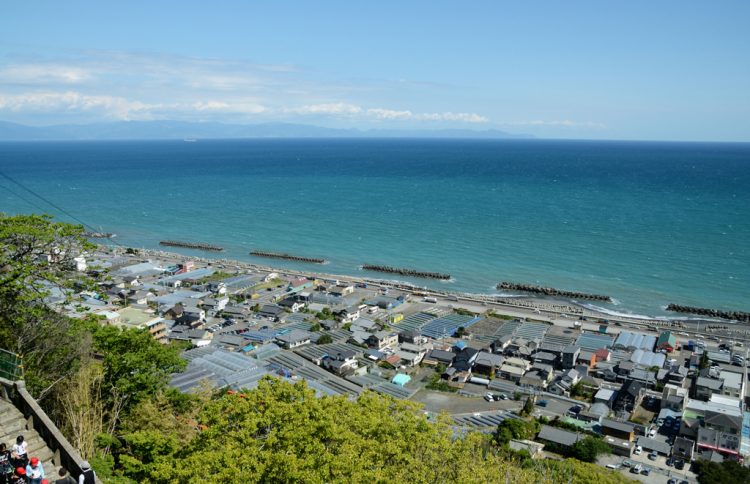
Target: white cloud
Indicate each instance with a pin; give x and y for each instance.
(326, 108)
(70, 101)
(40, 74)
(242, 107)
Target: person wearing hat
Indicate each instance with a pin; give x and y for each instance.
(19, 477)
(35, 471)
(88, 476)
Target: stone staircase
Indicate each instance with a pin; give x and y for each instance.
(13, 424)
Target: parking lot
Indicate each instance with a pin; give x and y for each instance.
(660, 472)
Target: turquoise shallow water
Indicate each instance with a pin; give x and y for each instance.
(647, 223)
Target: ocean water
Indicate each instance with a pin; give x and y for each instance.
(646, 223)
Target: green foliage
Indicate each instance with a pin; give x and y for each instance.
(513, 428)
(36, 255)
(464, 312)
(437, 383)
(715, 473)
(283, 433)
(589, 448)
(325, 339)
(460, 332)
(517, 396)
(325, 314)
(315, 327)
(136, 366)
(704, 362)
(528, 407)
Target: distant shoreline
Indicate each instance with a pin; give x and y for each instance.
(552, 310)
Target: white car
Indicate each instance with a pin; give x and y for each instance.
(638, 450)
(652, 433)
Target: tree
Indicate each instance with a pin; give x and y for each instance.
(528, 407)
(324, 339)
(513, 428)
(714, 473)
(704, 362)
(37, 257)
(460, 332)
(589, 448)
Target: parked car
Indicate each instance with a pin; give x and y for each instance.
(652, 433)
(627, 463)
(542, 403)
(679, 464)
(611, 466)
(638, 450)
(636, 469)
(653, 455)
(670, 461)
(646, 471)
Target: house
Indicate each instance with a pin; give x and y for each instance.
(214, 305)
(673, 397)
(291, 304)
(230, 342)
(465, 359)
(565, 382)
(349, 315)
(299, 284)
(546, 358)
(716, 425)
(140, 297)
(683, 448)
(605, 396)
(408, 359)
(705, 387)
(570, 356)
(293, 339)
(487, 363)
(535, 380)
(271, 311)
(511, 373)
(341, 362)
(439, 357)
(341, 290)
(521, 347)
(558, 437)
(620, 430)
(587, 358)
(382, 339)
(666, 341)
(414, 337)
(500, 344)
(602, 354)
(733, 384)
(657, 446)
(629, 396)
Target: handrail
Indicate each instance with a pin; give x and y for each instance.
(65, 454)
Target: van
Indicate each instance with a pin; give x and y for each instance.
(611, 466)
(432, 300)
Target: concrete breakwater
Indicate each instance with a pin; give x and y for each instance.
(405, 272)
(191, 245)
(278, 255)
(715, 313)
(551, 291)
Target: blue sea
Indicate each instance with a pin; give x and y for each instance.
(647, 223)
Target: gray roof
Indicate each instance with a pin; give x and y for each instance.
(651, 444)
(711, 383)
(562, 437)
(614, 424)
(488, 359)
(294, 336)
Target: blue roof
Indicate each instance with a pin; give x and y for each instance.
(460, 345)
(401, 379)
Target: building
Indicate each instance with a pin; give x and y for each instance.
(487, 363)
(666, 341)
(142, 319)
(715, 425)
(605, 396)
(533, 448)
(293, 339)
(382, 339)
(629, 396)
(439, 357)
(341, 362)
(733, 384)
(558, 437)
(570, 356)
(705, 387)
(619, 430)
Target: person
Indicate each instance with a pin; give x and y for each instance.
(6, 468)
(65, 478)
(19, 454)
(18, 477)
(88, 476)
(35, 471)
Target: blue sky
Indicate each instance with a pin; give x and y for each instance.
(675, 70)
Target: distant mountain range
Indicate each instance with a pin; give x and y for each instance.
(126, 130)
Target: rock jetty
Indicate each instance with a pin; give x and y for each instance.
(406, 272)
(551, 291)
(191, 245)
(714, 313)
(99, 235)
(278, 255)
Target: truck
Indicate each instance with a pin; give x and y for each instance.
(690, 346)
(430, 299)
